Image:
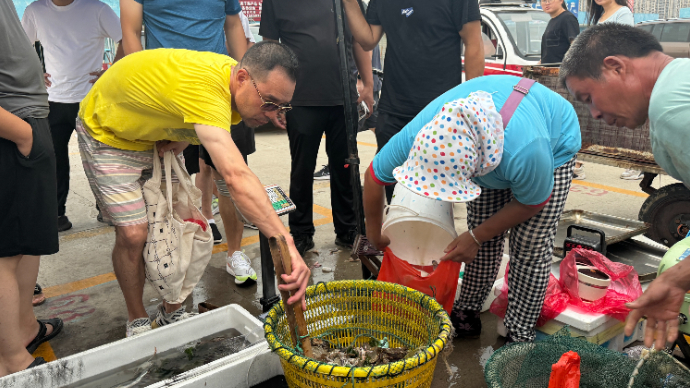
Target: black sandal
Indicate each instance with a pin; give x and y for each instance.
(41, 337)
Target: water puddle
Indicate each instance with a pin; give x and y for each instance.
(453, 371)
(165, 365)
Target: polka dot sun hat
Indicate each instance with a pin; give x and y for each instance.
(464, 140)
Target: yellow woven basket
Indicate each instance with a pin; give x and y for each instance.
(352, 311)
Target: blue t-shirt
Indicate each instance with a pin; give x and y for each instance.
(542, 135)
(184, 24)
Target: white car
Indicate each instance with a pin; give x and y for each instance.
(512, 35)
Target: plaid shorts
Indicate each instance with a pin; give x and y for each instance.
(116, 177)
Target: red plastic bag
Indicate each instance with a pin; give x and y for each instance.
(625, 284)
(440, 284)
(625, 287)
(566, 372)
(555, 302)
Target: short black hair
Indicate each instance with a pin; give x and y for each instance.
(265, 56)
(586, 55)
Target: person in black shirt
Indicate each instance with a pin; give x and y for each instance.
(308, 28)
(423, 54)
(560, 32)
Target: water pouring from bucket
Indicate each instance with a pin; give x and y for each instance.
(419, 228)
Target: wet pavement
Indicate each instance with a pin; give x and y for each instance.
(82, 290)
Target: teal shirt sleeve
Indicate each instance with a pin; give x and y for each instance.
(669, 117)
(670, 147)
(530, 172)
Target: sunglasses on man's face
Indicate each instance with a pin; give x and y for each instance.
(269, 106)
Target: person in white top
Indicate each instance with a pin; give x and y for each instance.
(247, 31)
(72, 33)
(609, 11)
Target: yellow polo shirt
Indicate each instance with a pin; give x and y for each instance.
(157, 95)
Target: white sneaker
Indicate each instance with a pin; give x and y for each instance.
(632, 175)
(138, 326)
(239, 266)
(163, 318)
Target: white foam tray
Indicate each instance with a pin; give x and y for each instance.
(82, 366)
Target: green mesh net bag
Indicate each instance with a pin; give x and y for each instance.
(528, 365)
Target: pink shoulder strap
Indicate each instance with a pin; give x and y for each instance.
(519, 92)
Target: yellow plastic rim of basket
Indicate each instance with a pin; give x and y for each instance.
(286, 352)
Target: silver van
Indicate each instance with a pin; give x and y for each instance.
(673, 34)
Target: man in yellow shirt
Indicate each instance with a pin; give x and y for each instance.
(173, 98)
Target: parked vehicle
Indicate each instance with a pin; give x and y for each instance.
(673, 34)
(514, 31)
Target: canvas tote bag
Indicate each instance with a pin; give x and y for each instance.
(178, 247)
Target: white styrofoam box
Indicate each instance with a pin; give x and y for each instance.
(573, 316)
(235, 371)
(616, 342)
(621, 341)
(91, 363)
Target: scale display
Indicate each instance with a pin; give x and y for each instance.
(282, 204)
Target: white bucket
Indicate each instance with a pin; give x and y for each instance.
(591, 288)
(418, 227)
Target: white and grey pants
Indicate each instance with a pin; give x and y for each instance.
(531, 254)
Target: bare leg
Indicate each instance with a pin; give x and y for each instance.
(234, 225)
(27, 273)
(13, 354)
(204, 181)
(128, 262)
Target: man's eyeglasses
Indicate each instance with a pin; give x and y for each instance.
(547, 1)
(269, 106)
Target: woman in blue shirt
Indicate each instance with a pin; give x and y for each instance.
(514, 179)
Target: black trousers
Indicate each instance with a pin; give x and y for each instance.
(62, 120)
(305, 126)
(387, 126)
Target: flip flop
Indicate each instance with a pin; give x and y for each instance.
(38, 297)
(41, 337)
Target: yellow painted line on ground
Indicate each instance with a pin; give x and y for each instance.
(46, 351)
(245, 241)
(63, 289)
(610, 188)
(87, 233)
